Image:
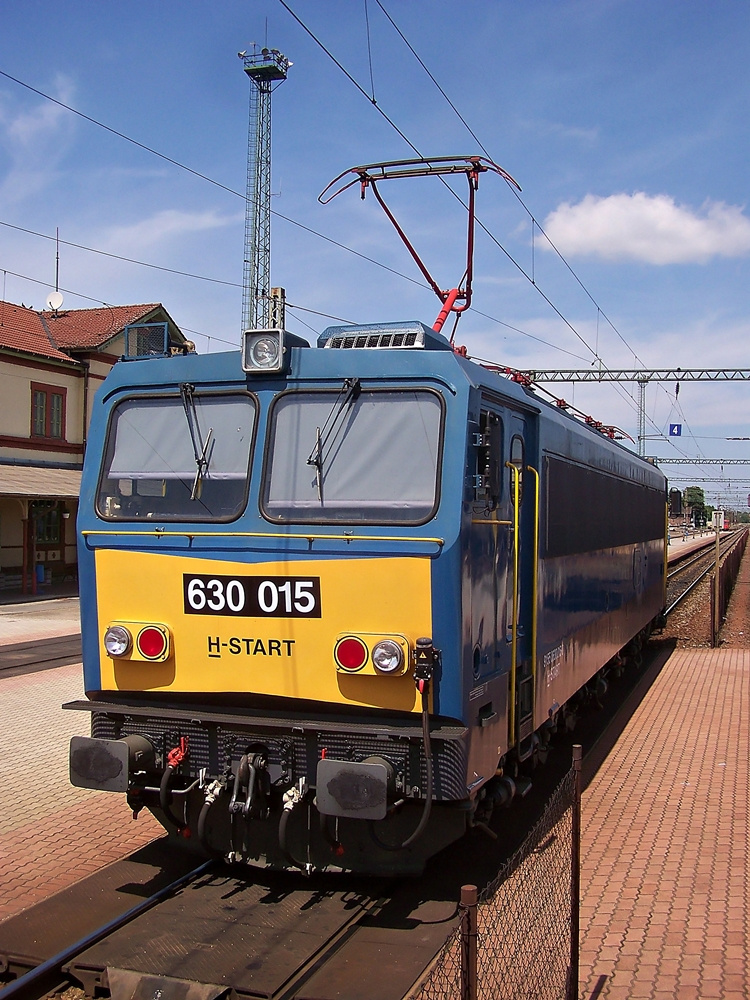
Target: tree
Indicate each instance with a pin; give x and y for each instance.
(694, 497)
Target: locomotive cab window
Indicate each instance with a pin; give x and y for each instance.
(517, 461)
(368, 456)
(178, 457)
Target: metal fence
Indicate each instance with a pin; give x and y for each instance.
(722, 591)
(518, 937)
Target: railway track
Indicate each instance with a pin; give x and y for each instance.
(256, 933)
(198, 933)
(278, 936)
(39, 654)
(52, 975)
(692, 569)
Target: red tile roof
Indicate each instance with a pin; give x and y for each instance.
(21, 329)
(77, 329)
(59, 335)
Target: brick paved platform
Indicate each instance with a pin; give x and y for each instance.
(22, 621)
(665, 875)
(52, 834)
(666, 858)
(680, 546)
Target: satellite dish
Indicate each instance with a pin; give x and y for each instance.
(54, 300)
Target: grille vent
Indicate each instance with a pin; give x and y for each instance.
(413, 338)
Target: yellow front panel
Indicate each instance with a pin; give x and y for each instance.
(271, 655)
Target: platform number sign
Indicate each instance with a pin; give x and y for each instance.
(675, 430)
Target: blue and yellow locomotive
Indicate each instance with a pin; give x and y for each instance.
(335, 599)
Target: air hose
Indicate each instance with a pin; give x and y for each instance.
(292, 797)
(425, 660)
(174, 759)
(212, 793)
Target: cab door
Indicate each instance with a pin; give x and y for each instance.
(521, 615)
(488, 547)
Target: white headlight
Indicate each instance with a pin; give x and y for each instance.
(117, 640)
(387, 656)
(265, 352)
(262, 351)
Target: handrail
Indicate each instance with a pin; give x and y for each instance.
(666, 552)
(535, 577)
(162, 533)
(490, 520)
(514, 623)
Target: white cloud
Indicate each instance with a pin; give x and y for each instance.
(34, 141)
(542, 127)
(166, 225)
(41, 123)
(649, 228)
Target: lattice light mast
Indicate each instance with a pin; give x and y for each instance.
(267, 68)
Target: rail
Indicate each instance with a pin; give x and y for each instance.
(39, 654)
(37, 982)
(705, 556)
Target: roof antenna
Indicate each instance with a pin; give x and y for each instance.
(55, 299)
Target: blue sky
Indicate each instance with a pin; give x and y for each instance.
(625, 123)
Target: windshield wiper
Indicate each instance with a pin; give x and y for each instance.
(316, 459)
(347, 394)
(200, 452)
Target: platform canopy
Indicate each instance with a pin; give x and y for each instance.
(39, 482)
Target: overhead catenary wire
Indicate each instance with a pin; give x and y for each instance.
(238, 194)
(357, 85)
(177, 163)
(415, 149)
(534, 224)
(127, 260)
(235, 284)
(120, 135)
(369, 54)
(372, 101)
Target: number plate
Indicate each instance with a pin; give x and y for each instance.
(252, 596)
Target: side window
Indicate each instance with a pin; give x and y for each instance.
(517, 461)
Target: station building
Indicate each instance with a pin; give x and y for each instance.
(51, 365)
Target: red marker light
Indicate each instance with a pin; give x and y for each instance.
(350, 653)
(151, 642)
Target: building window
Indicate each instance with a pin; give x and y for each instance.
(47, 520)
(47, 411)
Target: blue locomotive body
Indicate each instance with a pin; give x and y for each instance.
(363, 586)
